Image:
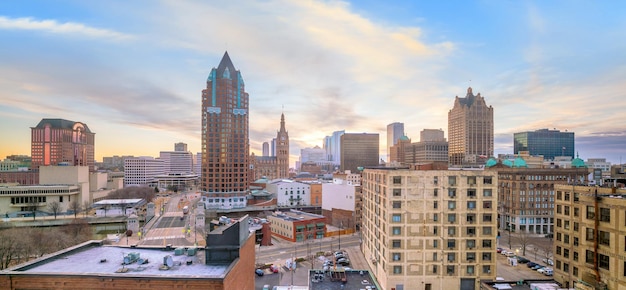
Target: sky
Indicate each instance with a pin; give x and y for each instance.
(133, 71)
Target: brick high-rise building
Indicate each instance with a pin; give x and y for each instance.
(225, 142)
(55, 141)
(470, 130)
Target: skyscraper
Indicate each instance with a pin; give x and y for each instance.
(55, 141)
(470, 130)
(225, 142)
(394, 132)
(332, 145)
(359, 150)
(549, 143)
(266, 149)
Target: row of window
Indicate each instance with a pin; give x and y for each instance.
(450, 269)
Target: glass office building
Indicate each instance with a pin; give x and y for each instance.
(549, 143)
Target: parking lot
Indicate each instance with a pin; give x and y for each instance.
(521, 271)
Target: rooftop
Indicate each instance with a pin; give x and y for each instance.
(331, 280)
(94, 258)
(296, 215)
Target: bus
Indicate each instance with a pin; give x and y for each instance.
(186, 209)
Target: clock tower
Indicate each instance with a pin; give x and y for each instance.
(282, 150)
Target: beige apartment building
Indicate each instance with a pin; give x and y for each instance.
(430, 229)
(590, 237)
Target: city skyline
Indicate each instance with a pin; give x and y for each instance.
(328, 66)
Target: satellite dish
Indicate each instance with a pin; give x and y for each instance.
(168, 261)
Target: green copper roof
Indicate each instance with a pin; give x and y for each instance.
(508, 163)
(578, 163)
(491, 162)
(404, 138)
(519, 162)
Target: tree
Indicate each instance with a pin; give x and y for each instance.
(32, 205)
(55, 207)
(523, 237)
(86, 207)
(75, 207)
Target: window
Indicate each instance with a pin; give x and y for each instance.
(397, 192)
(471, 180)
(470, 231)
(470, 218)
(435, 217)
(487, 230)
(396, 218)
(451, 204)
(451, 257)
(451, 218)
(451, 243)
(396, 256)
(452, 180)
(591, 213)
(435, 192)
(603, 261)
(470, 257)
(471, 205)
(397, 269)
(396, 244)
(435, 257)
(575, 256)
(450, 269)
(435, 243)
(576, 212)
(589, 257)
(435, 204)
(436, 180)
(397, 204)
(486, 243)
(397, 180)
(396, 231)
(487, 269)
(604, 238)
(487, 180)
(565, 253)
(452, 192)
(451, 231)
(470, 270)
(605, 215)
(434, 269)
(486, 256)
(486, 217)
(589, 234)
(471, 244)
(487, 192)
(487, 204)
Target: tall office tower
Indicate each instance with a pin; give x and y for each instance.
(180, 146)
(470, 130)
(225, 142)
(197, 166)
(55, 141)
(394, 132)
(397, 153)
(359, 150)
(266, 149)
(332, 145)
(315, 154)
(282, 149)
(432, 135)
(549, 143)
(273, 147)
(429, 229)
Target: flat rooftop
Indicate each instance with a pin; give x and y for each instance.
(296, 215)
(93, 258)
(330, 280)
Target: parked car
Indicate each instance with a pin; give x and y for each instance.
(266, 287)
(510, 254)
(544, 270)
(548, 261)
(537, 267)
(548, 272)
(274, 268)
(522, 260)
(259, 272)
(531, 264)
(499, 250)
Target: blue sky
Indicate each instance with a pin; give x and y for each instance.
(133, 71)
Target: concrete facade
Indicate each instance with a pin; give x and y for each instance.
(429, 229)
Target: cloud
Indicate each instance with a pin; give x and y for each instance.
(69, 28)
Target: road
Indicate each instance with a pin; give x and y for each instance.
(171, 225)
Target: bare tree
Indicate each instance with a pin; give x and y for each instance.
(55, 207)
(33, 204)
(8, 244)
(523, 237)
(86, 207)
(75, 207)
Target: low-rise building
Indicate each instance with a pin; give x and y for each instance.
(297, 226)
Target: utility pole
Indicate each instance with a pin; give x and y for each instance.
(340, 227)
